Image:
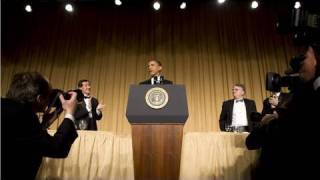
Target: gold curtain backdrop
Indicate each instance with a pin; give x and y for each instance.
(206, 48)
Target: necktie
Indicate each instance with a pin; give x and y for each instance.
(239, 100)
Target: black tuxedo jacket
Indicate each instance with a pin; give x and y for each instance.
(226, 113)
(82, 113)
(165, 81)
(24, 142)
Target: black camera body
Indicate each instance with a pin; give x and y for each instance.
(80, 95)
(305, 26)
(275, 81)
(302, 22)
(55, 104)
(54, 100)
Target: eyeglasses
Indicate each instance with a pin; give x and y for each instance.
(235, 89)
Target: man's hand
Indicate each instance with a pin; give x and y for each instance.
(268, 118)
(69, 105)
(100, 106)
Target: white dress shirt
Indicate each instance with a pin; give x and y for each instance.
(87, 101)
(239, 114)
(155, 80)
(88, 106)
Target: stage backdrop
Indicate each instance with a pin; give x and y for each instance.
(205, 47)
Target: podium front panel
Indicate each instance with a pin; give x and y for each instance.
(175, 111)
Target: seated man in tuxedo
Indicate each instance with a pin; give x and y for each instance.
(155, 68)
(89, 110)
(235, 113)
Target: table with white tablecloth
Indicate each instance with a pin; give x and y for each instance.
(104, 155)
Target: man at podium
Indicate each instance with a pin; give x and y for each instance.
(155, 68)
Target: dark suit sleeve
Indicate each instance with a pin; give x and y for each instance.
(264, 135)
(148, 82)
(95, 104)
(266, 107)
(255, 139)
(254, 107)
(58, 146)
(145, 82)
(251, 125)
(168, 82)
(223, 117)
(251, 108)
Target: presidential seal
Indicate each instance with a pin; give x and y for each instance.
(157, 98)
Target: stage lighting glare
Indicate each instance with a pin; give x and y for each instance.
(28, 8)
(69, 8)
(156, 5)
(118, 2)
(183, 5)
(254, 4)
(221, 1)
(297, 5)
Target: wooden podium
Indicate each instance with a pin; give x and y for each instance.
(157, 133)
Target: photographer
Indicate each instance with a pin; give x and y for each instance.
(270, 103)
(288, 142)
(275, 102)
(24, 141)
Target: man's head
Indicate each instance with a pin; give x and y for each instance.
(238, 91)
(274, 99)
(30, 88)
(310, 67)
(154, 67)
(85, 87)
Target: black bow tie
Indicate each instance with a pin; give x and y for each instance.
(240, 100)
(86, 97)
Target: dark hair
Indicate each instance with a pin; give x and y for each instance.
(158, 62)
(81, 81)
(26, 86)
(242, 86)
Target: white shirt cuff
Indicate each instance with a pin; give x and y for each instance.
(316, 83)
(69, 116)
(98, 112)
